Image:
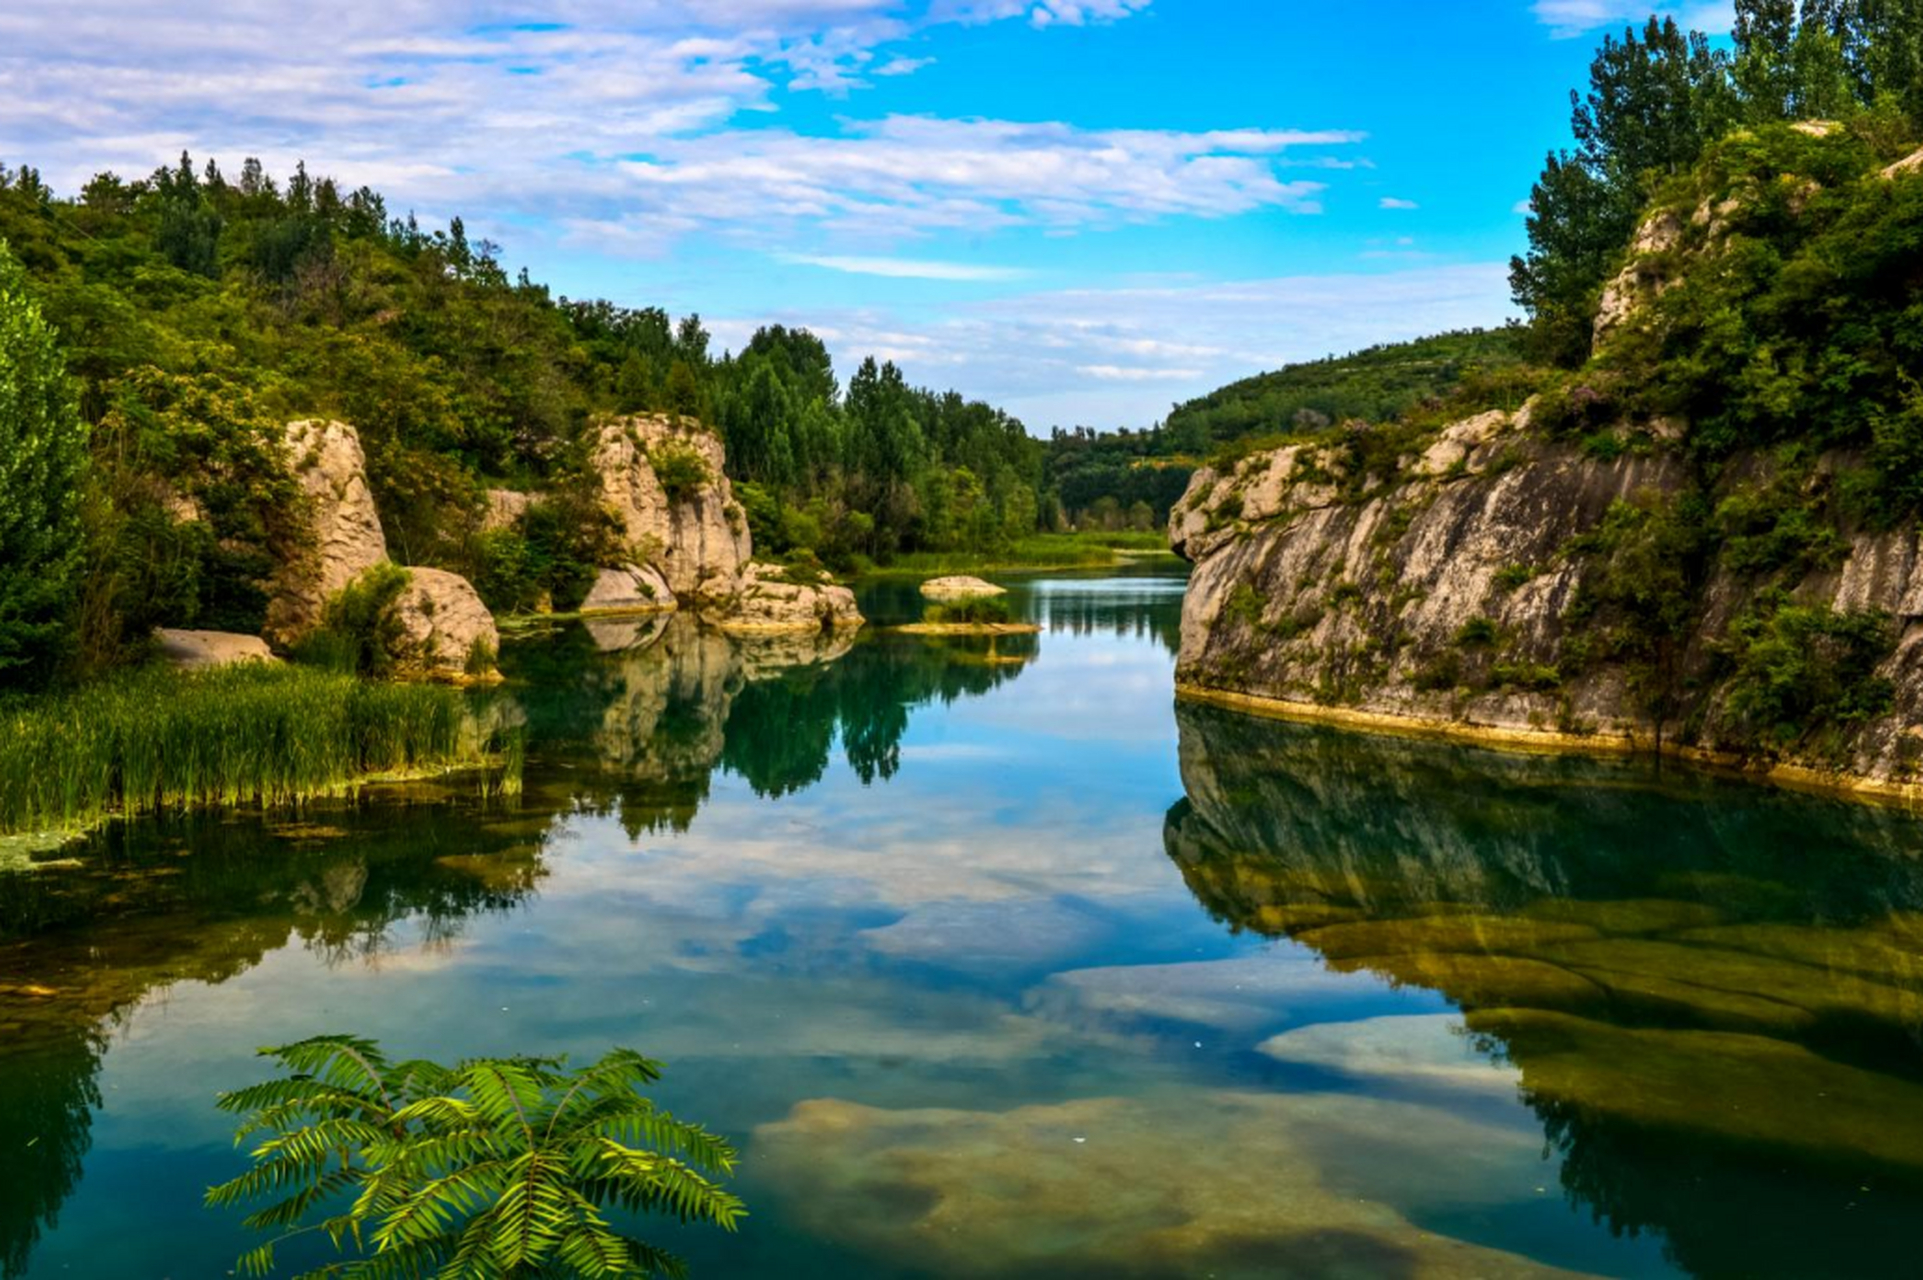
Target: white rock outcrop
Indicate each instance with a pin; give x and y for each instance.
(960, 587)
(191, 650)
(346, 539)
(775, 599)
(631, 588)
(696, 535)
(449, 632)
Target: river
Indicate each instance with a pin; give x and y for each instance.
(995, 962)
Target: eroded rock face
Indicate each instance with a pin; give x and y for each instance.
(190, 650)
(697, 535)
(1643, 279)
(346, 537)
(505, 507)
(629, 589)
(960, 587)
(1446, 598)
(775, 598)
(450, 632)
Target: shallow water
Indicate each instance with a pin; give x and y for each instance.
(994, 962)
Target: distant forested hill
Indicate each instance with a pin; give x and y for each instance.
(1374, 385)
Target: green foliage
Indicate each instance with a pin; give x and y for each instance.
(43, 454)
(680, 470)
(1477, 633)
(1801, 668)
(1640, 590)
(492, 1167)
(1512, 576)
(361, 631)
(248, 734)
(1661, 98)
(971, 611)
(1375, 385)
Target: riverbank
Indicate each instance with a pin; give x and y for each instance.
(1801, 778)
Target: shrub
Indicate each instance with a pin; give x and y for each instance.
(361, 631)
(973, 611)
(1799, 668)
(1476, 633)
(1444, 671)
(1512, 576)
(680, 470)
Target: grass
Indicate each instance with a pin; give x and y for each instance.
(972, 611)
(1037, 551)
(244, 735)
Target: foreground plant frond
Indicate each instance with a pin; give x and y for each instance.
(496, 1167)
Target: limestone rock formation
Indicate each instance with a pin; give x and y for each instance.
(629, 589)
(960, 587)
(505, 507)
(190, 650)
(449, 632)
(1443, 599)
(664, 479)
(776, 598)
(1643, 279)
(346, 540)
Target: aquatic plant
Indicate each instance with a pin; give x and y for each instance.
(492, 1167)
(249, 734)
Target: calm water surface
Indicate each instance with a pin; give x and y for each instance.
(994, 962)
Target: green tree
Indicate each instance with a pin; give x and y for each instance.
(496, 1167)
(43, 460)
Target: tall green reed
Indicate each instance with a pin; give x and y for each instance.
(243, 735)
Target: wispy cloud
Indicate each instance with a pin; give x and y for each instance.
(1391, 202)
(908, 268)
(1567, 19)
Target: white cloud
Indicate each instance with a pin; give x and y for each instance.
(614, 125)
(1391, 202)
(1567, 19)
(1124, 373)
(908, 268)
(1524, 207)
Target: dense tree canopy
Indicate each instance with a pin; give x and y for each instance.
(1657, 99)
(43, 451)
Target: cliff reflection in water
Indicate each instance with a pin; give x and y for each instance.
(668, 702)
(1711, 995)
(632, 718)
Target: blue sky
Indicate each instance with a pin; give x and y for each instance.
(1084, 210)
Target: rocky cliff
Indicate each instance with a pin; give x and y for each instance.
(1674, 548)
(1490, 589)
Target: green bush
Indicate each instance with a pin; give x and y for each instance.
(680, 470)
(1801, 668)
(973, 611)
(361, 632)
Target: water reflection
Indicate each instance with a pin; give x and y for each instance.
(1710, 995)
(629, 719)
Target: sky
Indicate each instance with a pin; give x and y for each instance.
(1084, 211)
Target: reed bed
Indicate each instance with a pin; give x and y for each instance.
(243, 735)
